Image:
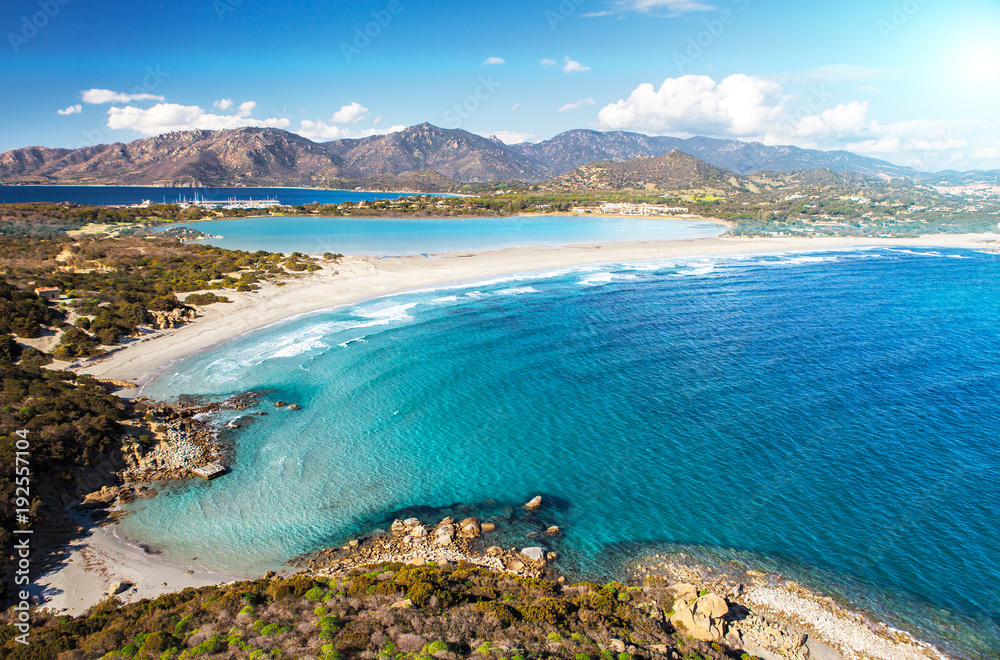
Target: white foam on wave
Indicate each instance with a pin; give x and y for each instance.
(795, 261)
(294, 348)
(697, 270)
(919, 253)
(516, 291)
(604, 277)
(385, 313)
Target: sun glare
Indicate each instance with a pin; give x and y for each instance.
(986, 64)
(981, 62)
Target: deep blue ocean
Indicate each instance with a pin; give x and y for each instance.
(119, 195)
(833, 416)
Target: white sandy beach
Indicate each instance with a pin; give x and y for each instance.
(101, 558)
(359, 278)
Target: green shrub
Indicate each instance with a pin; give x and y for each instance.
(435, 647)
(204, 298)
(157, 642)
(505, 614)
(315, 594)
(182, 624)
(247, 610)
(420, 593)
(274, 629)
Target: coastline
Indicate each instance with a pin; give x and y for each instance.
(359, 278)
(100, 557)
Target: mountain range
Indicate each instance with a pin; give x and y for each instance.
(422, 157)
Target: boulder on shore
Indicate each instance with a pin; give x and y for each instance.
(116, 588)
(469, 529)
(535, 555)
(703, 618)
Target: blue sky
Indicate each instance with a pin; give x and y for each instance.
(916, 82)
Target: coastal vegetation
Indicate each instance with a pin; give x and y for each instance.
(384, 611)
(105, 288)
(72, 424)
(70, 295)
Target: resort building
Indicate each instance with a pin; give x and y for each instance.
(641, 209)
(48, 292)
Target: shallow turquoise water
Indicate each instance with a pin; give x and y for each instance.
(833, 415)
(403, 236)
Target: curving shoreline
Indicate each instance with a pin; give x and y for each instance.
(359, 278)
(772, 616)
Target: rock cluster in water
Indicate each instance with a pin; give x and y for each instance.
(411, 541)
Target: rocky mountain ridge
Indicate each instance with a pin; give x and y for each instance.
(423, 155)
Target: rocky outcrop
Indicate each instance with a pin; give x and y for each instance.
(470, 529)
(116, 588)
(172, 319)
(534, 504)
(414, 542)
(702, 617)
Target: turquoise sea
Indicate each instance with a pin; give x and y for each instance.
(403, 236)
(830, 415)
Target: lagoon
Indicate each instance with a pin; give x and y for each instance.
(409, 236)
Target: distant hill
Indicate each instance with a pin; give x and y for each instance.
(671, 171)
(419, 155)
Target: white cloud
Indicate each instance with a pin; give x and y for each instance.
(71, 110)
(166, 117)
(318, 130)
(547, 63)
(108, 96)
(572, 66)
(246, 108)
(350, 114)
(514, 107)
(739, 105)
(869, 88)
(490, 61)
(752, 108)
(842, 121)
(512, 137)
(579, 103)
(223, 104)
